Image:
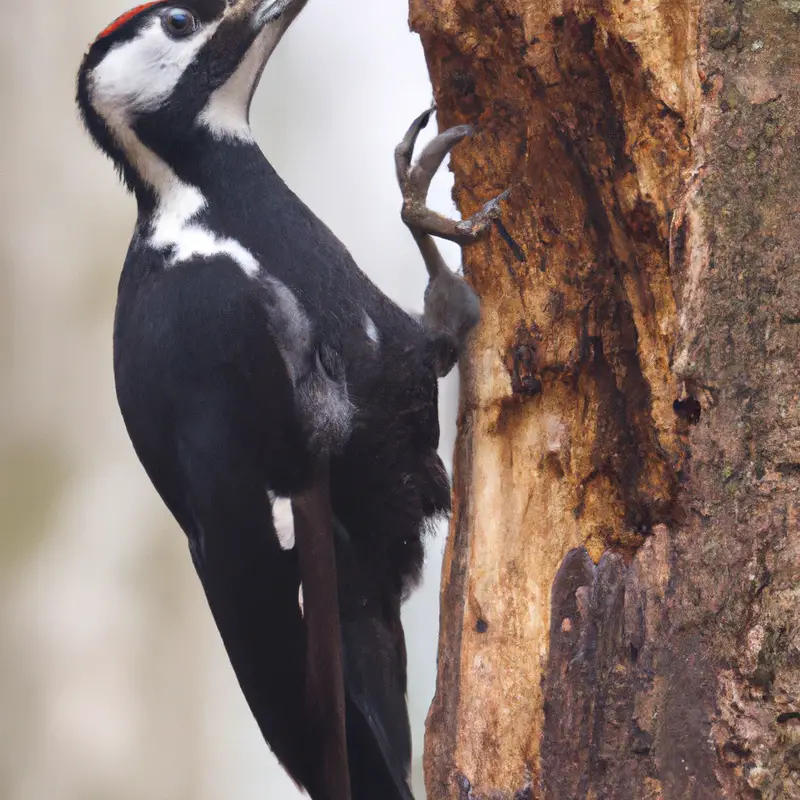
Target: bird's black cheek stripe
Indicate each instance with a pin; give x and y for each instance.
(205, 10)
(226, 50)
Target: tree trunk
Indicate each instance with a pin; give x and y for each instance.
(620, 599)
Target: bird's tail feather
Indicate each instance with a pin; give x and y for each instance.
(378, 732)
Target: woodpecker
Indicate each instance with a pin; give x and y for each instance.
(256, 366)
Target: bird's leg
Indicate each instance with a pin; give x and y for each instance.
(452, 308)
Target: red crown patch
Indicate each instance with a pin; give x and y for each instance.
(123, 18)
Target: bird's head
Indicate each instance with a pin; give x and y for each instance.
(165, 70)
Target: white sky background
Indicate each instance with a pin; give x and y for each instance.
(113, 682)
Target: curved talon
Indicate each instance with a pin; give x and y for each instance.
(491, 210)
(404, 150)
(432, 157)
(473, 227)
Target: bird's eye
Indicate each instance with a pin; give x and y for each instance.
(178, 22)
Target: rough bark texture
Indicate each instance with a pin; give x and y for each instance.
(620, 597)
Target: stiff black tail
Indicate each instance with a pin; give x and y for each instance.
(378, 732)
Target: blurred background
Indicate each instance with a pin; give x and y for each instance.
(113, 682)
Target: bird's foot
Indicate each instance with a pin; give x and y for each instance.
(415, 180)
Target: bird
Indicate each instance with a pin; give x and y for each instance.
(259, 371)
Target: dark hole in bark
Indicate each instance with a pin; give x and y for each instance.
(481, 626)
(640, 521)
(642, 741)
(522, 362)
(688, 410)
(763, 676)
(554, 464)
(734, 752)
(463, 82)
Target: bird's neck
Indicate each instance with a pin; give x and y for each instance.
(208, 196)
(178, 180)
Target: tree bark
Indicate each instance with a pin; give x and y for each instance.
(620, 606)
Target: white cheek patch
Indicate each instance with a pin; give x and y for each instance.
(226, 115)
(140, 75)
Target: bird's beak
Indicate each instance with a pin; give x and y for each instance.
(259, 25)
(266, 12)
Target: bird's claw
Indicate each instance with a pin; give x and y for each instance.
(404, 150)
(475, 226)
(415, 181)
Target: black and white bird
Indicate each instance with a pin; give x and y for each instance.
(255, 364)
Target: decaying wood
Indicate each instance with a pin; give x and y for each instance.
(620, 596)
